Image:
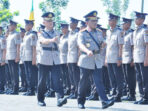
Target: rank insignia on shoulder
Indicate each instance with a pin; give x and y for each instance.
(87, 45)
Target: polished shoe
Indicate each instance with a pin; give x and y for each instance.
(66, 91)
(61, 102)
(22, 89)
(13, 93)
(72, 96)
(81, 106)
(92, 97)
(116, 99)
(2, 92)
(137, 102)
(41, 103)
(129, 98)
(106, 104)
(50, 94)
(29, 94)
(143, 102)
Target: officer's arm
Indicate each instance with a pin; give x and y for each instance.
(120, 43)
(18, 47)
(4, 50)
(46, 41)
(146, 42)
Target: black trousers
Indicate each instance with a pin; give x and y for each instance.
(85, 83)
(7, 75)
(116, 77)
(2, 78)
(74, 73)
(106, 80)
(23, 75)
(142, 78)
(35, 74)
(13, 68)
(65, 76)
(30, 78)
(130, 78)
(44, 70)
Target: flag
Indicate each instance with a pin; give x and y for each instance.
(31, 17)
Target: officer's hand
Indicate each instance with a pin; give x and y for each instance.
(119, 62)
(3, 63)
(146, 63)
(17, 60)
(132, 64)
(90, 53)
(54, 39)
(34, 62)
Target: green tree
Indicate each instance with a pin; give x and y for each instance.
(54, 6)
(5, 13)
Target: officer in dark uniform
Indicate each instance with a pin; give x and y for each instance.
(2, 61)
(12, 55)
(49, 61)
(140, 56)
(23, 87)
(89, 42)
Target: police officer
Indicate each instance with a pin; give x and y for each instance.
(114, 43)
(89, 41)
(127, 60)
(72, 57)
(12, 55)
(29, 56)
(63, 48)
(23, 87)
(140, 56)
(49, 61)
(2, 61)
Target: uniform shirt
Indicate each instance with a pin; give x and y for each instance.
(29, 41)
(63, 48)
(11, 45)
(84, 60)
(48, 57)
(113, 41)
(140, 38)
(21, 52)
(2, 46)
(127, 55)
(38, 49)
(72, 47)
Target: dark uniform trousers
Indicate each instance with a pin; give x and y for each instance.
(116, 78)
(106, 80)
(8, 77)
(2, 78)
(23, 75)
(13, 68)
(29, 76)
(65, 76)
(142, 78)
(74, 73)
(130, 78)
(55, 77)
(35, 74)
(85, 83)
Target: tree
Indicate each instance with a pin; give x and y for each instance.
(54, 6)
(5, 13)
(118, 7)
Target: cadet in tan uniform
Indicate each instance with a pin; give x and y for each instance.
(140, 56)
(127, 60)
(13, 55)
(89, 42)
(29, 56)
(114, 43)
(72, 57)
(23, 87)
(49, 61)
(2, 61)
(63, 48)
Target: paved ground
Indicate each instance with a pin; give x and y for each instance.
(23, 103)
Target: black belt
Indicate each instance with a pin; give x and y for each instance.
(49, 49)
(94, 52)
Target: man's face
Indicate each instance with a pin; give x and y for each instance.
(112, 22)
(65, 30)
(92, 23)
(73, 25)
(126, 26)
(48, 24)
(22, 34)
(28, 27)
(139, 21)
(12, 27)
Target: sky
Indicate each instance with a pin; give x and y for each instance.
(75, 8)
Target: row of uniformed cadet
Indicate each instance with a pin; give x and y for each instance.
(75, 57)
